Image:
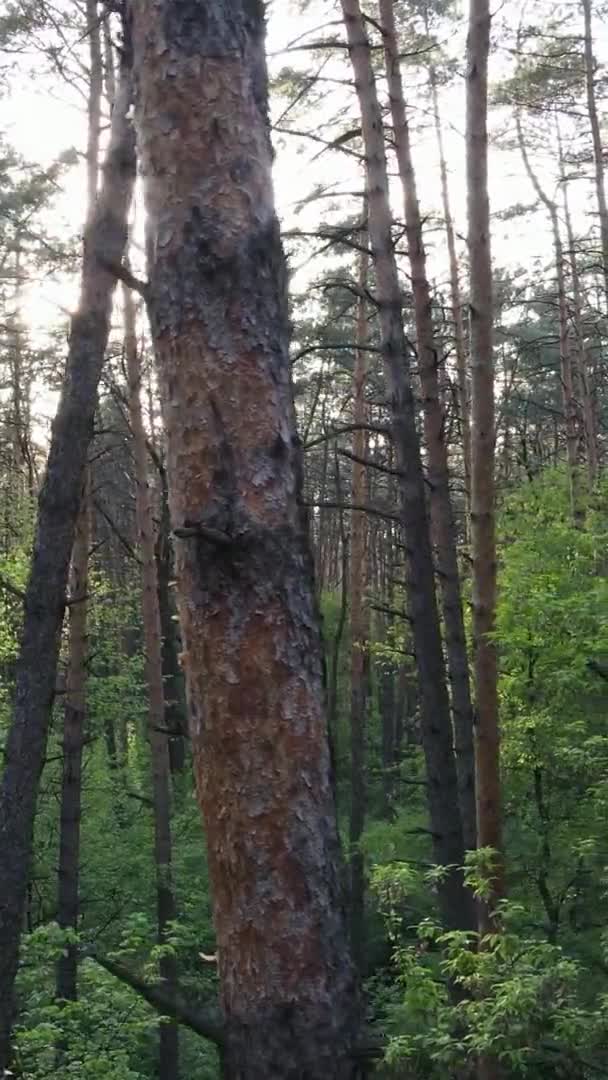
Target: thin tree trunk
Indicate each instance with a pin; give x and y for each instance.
(252, 648)
(442, 517)
(341, 579)
(175, 712)
(483, 449)
(73, 741)
(157, 737)
(565, 354)
(94, 105)
(57, 513)
(584, 366)
(598, 155)
(464, 403)
(442, 787)
(359, 625)
(22, 465)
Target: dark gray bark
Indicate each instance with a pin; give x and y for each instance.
(58, 507)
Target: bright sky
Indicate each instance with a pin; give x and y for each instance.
(42, 118)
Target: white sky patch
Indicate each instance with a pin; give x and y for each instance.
(42, 117)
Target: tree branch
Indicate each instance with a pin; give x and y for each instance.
(329, 504)
(122, 273)
(207, 1023)
(370, 463)
(346, 429)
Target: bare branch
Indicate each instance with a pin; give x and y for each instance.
(207, 1023)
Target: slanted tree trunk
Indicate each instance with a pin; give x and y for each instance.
(565, 352)
(75, 702)
(157, 730)
(252, 649)
(483, 447)
(442, 517)
(58, 507)
(598, 154)
(73, 741)
(442, 788)
(359, 625)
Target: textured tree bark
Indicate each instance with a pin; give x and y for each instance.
(57, 513)
(73, 740)
(435, 706)
(442, 516)
(168, 1062)
(252, 650)
(359, 625)
(598, 154)
(567, 379)
(483, 447)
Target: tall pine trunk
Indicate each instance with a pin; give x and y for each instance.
(252, 649)
(483, 449)
(442, 516)
(58, 507)
(442, 786)
(359, 623)
(157, 730)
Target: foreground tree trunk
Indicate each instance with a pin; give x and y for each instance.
(442, 516)
(483, 446)
(57, 513)
(437, 740)
(157, 730)
(252, 649)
